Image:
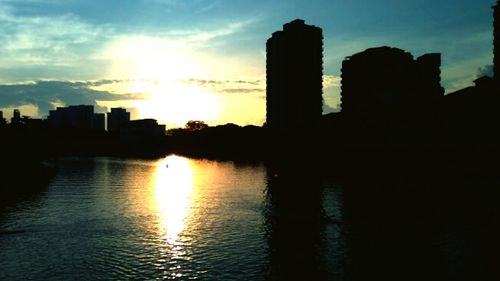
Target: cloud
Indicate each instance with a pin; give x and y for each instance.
(37, 39)
(331, 84)
(47, 94)
(462, 73)
(486, 70)
(230, 86)
(58, 46)
(243, 90)
(331, 81)
(227, 29)
(62, 45)
(329, 109)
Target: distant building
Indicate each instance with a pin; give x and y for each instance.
(388, 81)
(2, 120)
(294, 75)
(16, 118)
(144, 128)
(33, 123)
(72, 117)
(118, 119)
(471, 114)
(79, 117)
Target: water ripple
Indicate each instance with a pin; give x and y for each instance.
(115, 219)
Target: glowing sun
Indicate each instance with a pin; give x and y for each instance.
(160, 69)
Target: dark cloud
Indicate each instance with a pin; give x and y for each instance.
(44, 93)
(255, 82)
(106, 82)
(486, 70)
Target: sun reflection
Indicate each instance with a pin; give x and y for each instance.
(173, 187)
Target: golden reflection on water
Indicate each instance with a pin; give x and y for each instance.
(173, 187)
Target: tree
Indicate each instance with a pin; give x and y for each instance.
(195, 125)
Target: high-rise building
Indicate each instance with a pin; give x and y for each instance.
(118, 118)
(2, 120)
(389, 81)
(16, 118)
(496, 39)
(294, 75)
(145, 128)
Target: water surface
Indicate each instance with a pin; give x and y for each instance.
(180, 218)
(173, 218)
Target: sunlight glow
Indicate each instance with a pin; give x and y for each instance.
(27, 109)
(151, 58)
(157, 67)
(175, 103)
(173, 187)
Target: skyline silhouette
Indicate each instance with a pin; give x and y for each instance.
(393, 106)
(240, 103)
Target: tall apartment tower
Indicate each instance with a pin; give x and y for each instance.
(389, 82)
(496, 40)
(16, 117)
(294, 75)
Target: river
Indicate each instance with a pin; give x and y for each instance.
(184, 219)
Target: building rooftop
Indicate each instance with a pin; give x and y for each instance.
(380, 51)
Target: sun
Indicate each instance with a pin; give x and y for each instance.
(175, 103)
(161, 68)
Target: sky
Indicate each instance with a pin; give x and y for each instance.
(180, 60)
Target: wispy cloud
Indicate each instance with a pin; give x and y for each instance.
(67, 46)
(206, 37)
(49, 38)
(331, 81)
(228, 29)
(231, 86)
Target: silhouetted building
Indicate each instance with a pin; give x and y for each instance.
(99, 121)
(32, 123)
(2, 120)
(78, 117)
(294, 75)
(145, 128)
(118, 119)
(472, 114)
(16, 118)
(496, 39)
(388, 81)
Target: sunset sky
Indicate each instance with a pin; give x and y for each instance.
(176, 60)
